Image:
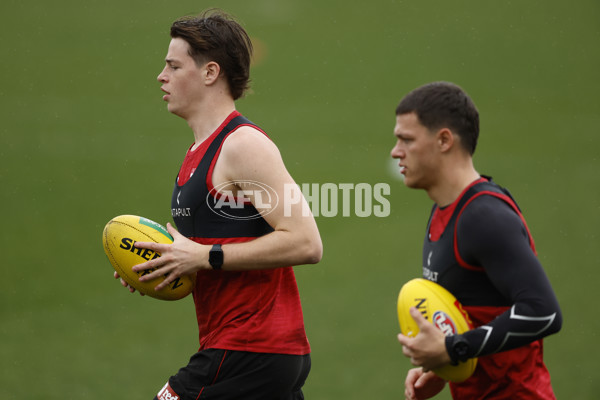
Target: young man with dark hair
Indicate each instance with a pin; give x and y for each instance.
(477, 246)
(252, 339)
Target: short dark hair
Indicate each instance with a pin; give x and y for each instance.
(216, 36)
(444, 104)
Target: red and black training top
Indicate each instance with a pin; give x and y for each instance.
(194, 196)
(481, 250)
(258, 310)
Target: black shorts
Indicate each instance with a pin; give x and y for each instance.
(225, 374)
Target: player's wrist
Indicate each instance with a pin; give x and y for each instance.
(216, 257)
(457, 348)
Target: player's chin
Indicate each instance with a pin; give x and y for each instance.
(171, 106)
(412, 182)
(173, 109)
(409, 182)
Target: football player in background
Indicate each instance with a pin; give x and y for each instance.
(478, 246)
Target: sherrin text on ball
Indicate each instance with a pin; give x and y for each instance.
(119, 238)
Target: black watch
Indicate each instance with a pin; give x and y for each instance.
(457, 348)
(215, 257)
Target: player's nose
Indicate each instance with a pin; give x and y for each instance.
(162, 77)
(397, 151)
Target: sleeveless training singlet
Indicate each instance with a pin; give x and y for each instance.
(256, 311)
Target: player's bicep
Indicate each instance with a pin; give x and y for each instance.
(496, 239)
(253, 159)
(489, 229)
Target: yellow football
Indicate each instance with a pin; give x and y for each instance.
(119, 237)
(441, 308)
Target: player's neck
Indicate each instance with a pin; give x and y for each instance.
(207, 118)
(452, 182)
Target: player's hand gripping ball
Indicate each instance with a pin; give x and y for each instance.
(119, 237)
(441, 308)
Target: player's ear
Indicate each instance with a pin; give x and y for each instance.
(445, 139)
(211, 72)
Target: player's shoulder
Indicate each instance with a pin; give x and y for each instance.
(490, 203)
(247, 138)
(489, 199)
(247, 148)
(486, 211)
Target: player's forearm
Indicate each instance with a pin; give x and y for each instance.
(277, 249)
(516, 327)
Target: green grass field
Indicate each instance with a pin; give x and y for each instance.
(85, 136)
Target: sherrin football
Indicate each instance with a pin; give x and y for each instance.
(441, 308)
(119, 237)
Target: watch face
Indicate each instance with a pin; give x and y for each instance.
(215, 257)
(461, 348)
